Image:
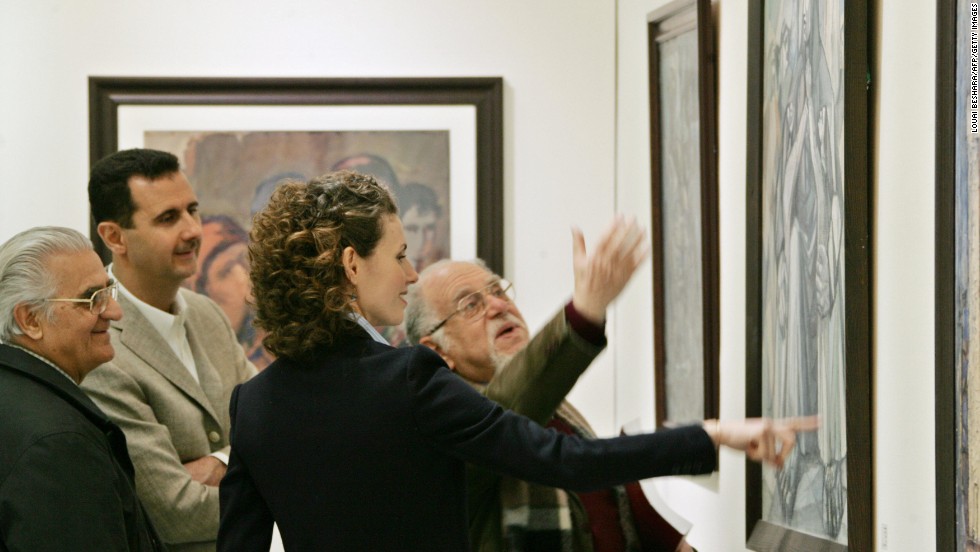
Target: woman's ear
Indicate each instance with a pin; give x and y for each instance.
(112, 236)
(351, 260)
(29, 321)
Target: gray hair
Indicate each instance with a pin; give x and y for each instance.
(24, 274)
(419, 315)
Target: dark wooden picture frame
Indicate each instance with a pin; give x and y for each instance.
(956, 337)
(947, 505)
(485, 94)
(856, 215)
(684, 191)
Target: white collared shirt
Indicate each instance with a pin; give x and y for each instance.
(169, 326)
(362, 322)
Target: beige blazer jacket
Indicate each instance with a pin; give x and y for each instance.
(169, 418)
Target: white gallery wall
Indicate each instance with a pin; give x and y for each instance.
(557, 58)
(576, 149)
(903, 184)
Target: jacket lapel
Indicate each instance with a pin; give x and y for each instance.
(199, 334)
(139, 336)
(19, 361)
(23, 363)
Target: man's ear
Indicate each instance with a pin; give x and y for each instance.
(112, 236)
(29, 321)
(351, 260)
(431, 343)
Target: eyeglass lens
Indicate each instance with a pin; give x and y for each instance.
(475, 303)
(100, 299)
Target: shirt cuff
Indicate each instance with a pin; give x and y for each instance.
(221, 456)
(593, 333)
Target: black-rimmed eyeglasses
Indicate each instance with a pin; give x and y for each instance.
(98, 302)
(475, 304)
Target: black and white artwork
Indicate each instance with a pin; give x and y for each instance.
(803, 270)
(684, 211)
(681, 227)
(967, 279)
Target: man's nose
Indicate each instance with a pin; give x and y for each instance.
(495, 305)
(192, 229)
(112, 311)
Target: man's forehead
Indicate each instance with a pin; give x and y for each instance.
(77, 272)
(459, 279)
(156, 195)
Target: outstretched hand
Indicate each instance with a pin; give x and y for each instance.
(599, 278)
(762, 439)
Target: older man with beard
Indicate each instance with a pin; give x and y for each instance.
(465, 313)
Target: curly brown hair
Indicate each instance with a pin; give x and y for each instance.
(302, 294)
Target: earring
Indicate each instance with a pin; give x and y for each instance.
(353, 297)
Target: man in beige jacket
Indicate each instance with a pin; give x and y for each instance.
(177, 358)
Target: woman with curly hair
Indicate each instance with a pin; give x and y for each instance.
(349, 444)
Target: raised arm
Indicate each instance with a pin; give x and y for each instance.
(538, 378)
(601, 277)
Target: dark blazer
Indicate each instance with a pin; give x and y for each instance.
(66, 481)
(363, 448)
(534, 384)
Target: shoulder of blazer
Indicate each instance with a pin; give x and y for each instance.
(197, 304)
(19, 363)
(200, 301)
(203, 314)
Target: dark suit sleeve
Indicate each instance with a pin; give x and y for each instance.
(246, 522)
(61, 495)
(532, 384)
(468, 425)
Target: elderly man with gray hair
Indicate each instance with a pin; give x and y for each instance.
(465, 312)
(66, 480)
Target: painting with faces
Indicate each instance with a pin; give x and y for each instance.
(234, 174)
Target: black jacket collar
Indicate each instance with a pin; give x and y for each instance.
(22, 363)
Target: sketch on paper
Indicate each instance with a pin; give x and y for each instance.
(967, 192)
(234, 174)
(803, 356)
(681, 226)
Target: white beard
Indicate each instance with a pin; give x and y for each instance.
(500, 360)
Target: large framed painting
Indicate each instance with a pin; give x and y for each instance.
(436, 143)
(684, 152)
(808, 264)
(957, 277)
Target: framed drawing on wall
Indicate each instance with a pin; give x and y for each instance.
(808, 270)
(684, 211)
(436, 143)
(957, 277)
